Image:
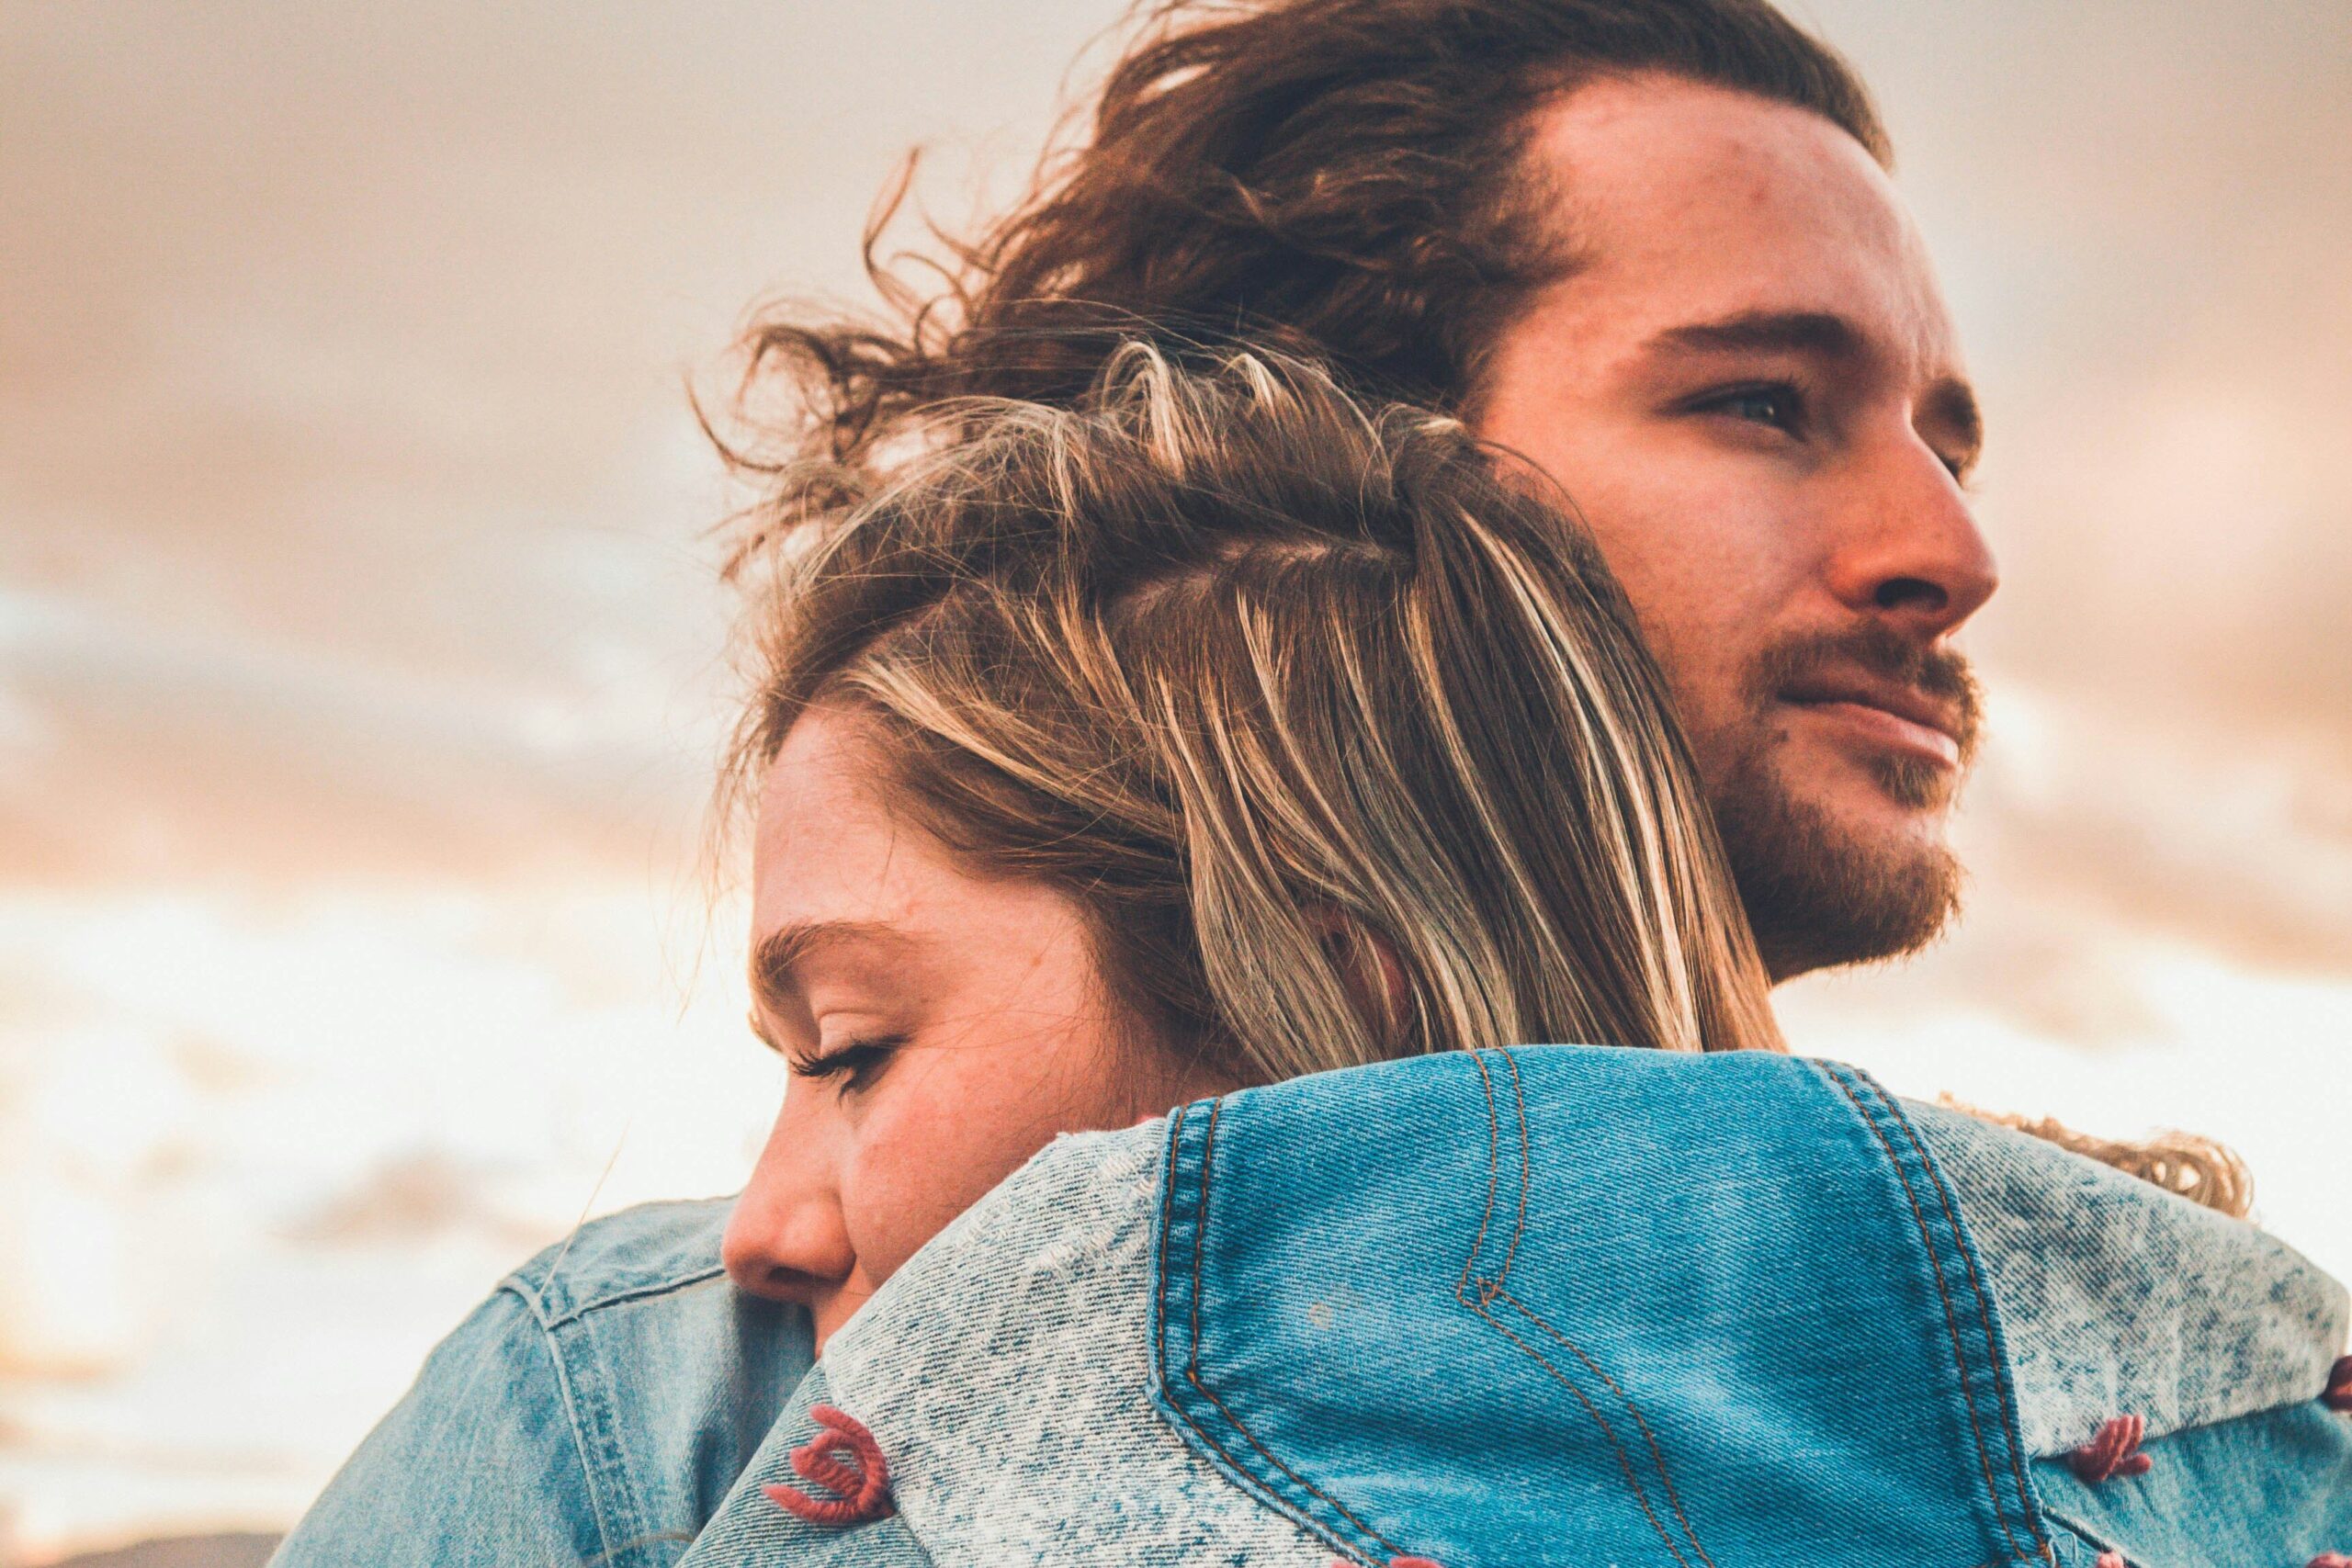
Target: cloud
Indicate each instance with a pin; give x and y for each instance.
(159, 756)
(2242, 846)
(415, 1197)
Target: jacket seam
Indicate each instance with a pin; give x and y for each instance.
(1192, 1359)
(1944, 1291)
(1495, 1289)
(2011, 1435)
(588, 1475)
(553, 1317)
(1174, 1403)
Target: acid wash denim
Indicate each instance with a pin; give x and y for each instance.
(1573, 1307)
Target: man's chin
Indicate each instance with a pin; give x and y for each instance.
(1851, 873)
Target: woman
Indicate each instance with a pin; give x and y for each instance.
(1209, 735)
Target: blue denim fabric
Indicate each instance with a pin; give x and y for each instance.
(2271, 1490)
(1561, 1305)
(753, 1529)
(2119, 1298)
(595, 1410)
(1576, 1306)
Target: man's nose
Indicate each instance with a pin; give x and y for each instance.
(1910, 553)
(785, 1239)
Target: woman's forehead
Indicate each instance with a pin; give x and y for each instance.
(832, 857)
(825, 848)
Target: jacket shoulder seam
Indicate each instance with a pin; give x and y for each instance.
(555, 1307)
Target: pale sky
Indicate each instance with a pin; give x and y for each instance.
(359, 663)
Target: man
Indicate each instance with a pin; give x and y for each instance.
(1650, 247)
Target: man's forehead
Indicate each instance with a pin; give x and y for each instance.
(1684, 204)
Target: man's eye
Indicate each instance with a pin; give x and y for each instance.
(1778, 406)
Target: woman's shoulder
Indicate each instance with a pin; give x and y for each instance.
(595, 1407)
(652, 1252)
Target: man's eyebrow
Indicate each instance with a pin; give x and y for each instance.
(1822, 332)
(776, 958)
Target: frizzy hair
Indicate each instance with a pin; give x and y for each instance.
(1342, 179)
(1288, 694)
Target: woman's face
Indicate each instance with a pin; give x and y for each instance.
(939, 1028)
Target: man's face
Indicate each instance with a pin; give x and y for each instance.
(1750, 387)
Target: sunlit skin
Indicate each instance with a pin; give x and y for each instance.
(939, 1026)
(1750, 385)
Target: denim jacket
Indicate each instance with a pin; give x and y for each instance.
(595, 1410)
(1546, 1306)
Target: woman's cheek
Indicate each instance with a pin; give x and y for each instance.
(916, 1168)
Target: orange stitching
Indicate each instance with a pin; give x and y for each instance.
(1657, 1456)
(1624, 1460)
(1526, 1166)
(1951, 1320)
(1490, 1289)
(1166, 1213)
(1527, 1181)
(1975, 1285)
(1160, 1325)
(1184, 1414)
(1192, 1362)
(1494, 1175)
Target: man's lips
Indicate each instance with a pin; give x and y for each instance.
(1899, 714)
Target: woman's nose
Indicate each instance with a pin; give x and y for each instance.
(787, 1240)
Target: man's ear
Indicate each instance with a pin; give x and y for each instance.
(1368, 964)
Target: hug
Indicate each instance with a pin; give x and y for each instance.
(1270, 852)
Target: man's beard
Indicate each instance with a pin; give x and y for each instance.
(1820, 893)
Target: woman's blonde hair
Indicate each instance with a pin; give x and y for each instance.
(1348, 748)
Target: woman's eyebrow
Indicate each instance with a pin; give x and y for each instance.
(778, 957)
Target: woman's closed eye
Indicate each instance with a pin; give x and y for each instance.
(854, 1063)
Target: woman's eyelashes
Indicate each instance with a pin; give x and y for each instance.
(854, 1064)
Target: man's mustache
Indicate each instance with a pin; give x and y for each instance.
(1941, 674)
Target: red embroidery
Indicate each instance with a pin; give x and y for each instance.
(2337, 1395)
(2115, 1451)
(2330, 1560)
(2110, 1560)
(822, 1459)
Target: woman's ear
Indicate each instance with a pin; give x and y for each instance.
(1369, 966)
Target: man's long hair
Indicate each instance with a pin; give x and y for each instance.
(1340, 179)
